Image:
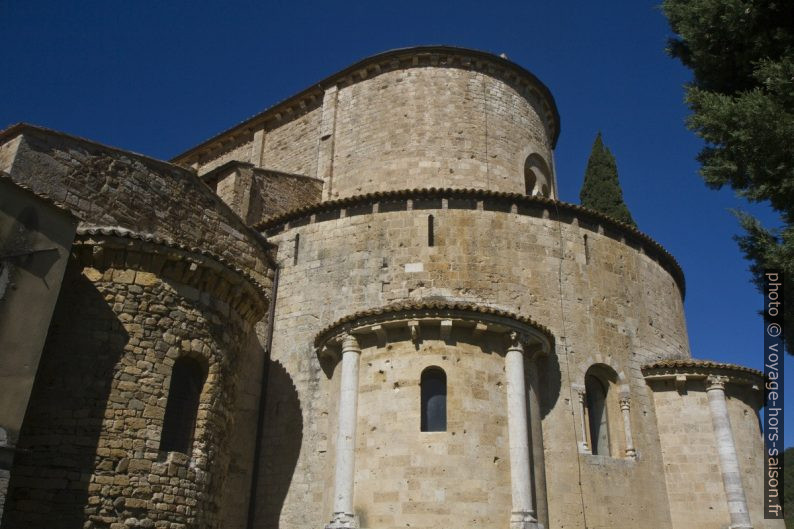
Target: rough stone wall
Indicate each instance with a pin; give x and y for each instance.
(619, 307)
(89, 449)
(106, 187)
(434, 127)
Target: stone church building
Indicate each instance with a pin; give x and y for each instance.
(364, 307)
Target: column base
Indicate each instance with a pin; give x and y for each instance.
(343, 520)
(524, 520)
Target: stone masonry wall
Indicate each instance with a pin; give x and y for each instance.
(460, 477)
(89, 449)
(107, 187)
(619, 307)
(691, 462)
(434, 127)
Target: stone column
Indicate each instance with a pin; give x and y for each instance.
(523, 514)
(536, 441)
(625, 408)
(579, 389)
(346, 437)
(729, 463)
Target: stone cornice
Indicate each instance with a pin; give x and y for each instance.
(113, 247)
(690, 369)
(445, 314)
(520, 204)
(445, 56)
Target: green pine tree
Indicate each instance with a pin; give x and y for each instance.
(601, 189)
(741, 53)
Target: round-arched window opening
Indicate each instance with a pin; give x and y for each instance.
(433, 385)
(536, 176)
(181, 410)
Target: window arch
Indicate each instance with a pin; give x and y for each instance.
(434, 400)
(179, 424)
(537, 176)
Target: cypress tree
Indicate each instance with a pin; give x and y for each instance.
(601, 189)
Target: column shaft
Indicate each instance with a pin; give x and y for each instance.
(625, 408)
(536, 437)
(346, 438)
(523, 515)
(729, 462)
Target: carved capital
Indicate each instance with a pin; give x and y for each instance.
(350, 344)
(714, 382)
(625, 402)
(515, 342)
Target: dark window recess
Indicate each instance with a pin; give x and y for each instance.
(179, 425)
(431, 239)
(586, 250)
(427, 203)
(434, 400)
(596, 395)
(296, 248)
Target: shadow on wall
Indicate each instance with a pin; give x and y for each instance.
(59, 437)
(283, 435)
(549, 380)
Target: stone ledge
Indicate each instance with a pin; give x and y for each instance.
(691, 369)
(445, 315)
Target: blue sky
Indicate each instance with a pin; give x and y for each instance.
(159, 77)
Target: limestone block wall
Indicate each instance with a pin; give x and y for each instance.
(426, 479)
(691, 460)
(432, 116)
(286, 144)
(615, 305)
(434, 126)
(256, 194)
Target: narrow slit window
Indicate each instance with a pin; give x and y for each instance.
(431, 239)
(296, 248)
(434, 400)
(586, 250)
(179, 424)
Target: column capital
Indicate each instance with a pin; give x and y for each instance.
(625, 402)
(714, 382)
(350, 344)
(515, 342)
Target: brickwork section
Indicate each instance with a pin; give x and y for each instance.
(89, 449)
(620, 307)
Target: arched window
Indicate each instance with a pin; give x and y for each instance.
(179, 425)
(434, 400)
(536, 176)
(596, 393)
